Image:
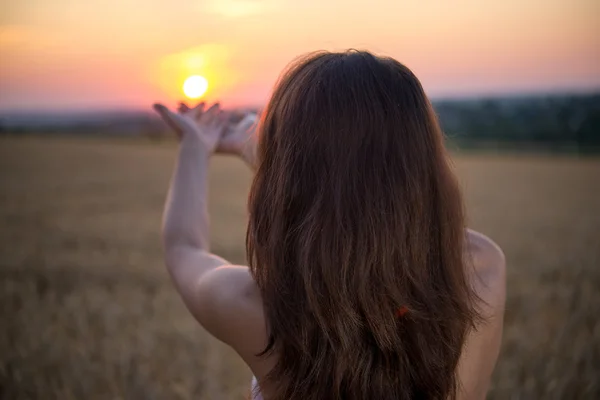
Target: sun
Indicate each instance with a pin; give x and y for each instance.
(195, 86)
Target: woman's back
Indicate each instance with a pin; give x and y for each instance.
(245, 329)
(355, 214)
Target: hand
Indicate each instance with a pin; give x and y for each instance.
(205, 126)
(241, 139)
(238, 138)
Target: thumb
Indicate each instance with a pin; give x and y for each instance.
(247, 122)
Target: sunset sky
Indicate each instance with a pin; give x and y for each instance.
(109, 54)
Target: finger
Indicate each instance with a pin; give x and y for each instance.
(197, 111)
(210, 114)
(169, 117)
(214, 109)
(183, 108)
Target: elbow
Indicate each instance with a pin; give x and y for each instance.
(177, 255)
(175, 246)
(170, 242)
(171, 254)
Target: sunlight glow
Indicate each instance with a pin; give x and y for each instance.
(195, 86)
(236, 8)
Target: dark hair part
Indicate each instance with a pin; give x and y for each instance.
(354, 214)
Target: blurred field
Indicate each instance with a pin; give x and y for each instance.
(87, 310)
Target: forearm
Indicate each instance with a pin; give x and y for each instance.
(185, 219)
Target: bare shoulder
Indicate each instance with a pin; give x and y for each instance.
(489, 268)
(232, 308)
(486, 252)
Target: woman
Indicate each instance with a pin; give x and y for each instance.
(363, 281)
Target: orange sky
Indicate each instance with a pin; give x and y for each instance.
(67, 54)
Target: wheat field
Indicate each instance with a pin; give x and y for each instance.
(87, 310)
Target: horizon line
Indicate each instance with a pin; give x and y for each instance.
(128, 109)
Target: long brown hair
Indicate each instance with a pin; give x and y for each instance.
(355, 214)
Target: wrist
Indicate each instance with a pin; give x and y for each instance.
(195, 144)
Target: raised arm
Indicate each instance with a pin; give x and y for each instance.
(222, 297)
(185, 219)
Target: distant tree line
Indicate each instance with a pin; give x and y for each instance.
(552, 121)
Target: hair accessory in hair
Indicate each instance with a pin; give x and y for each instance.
(402, 311)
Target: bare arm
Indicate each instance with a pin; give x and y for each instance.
(185, 219)
(186, 223)
(223, 298)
